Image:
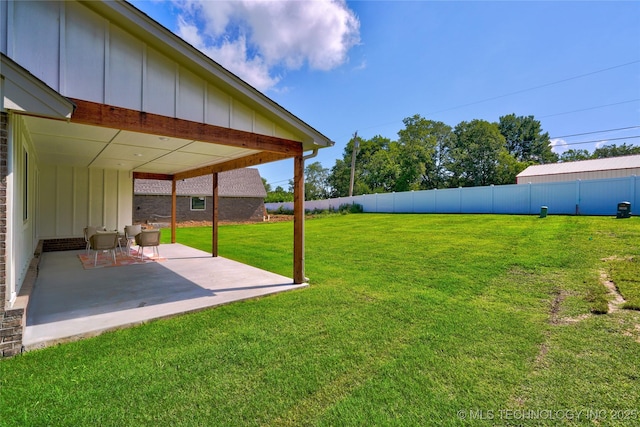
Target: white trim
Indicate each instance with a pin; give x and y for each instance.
(203, 198)
(26, 93)
(10, 270)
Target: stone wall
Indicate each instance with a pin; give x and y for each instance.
(158, 209)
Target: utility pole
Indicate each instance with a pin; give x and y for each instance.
(353, 161)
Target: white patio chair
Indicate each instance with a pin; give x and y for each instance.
(104, 242)
(148, 238)
(130, 233)
(89, 231)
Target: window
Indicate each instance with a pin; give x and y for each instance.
(25, 187)
(198, 204)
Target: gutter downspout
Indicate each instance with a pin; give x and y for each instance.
(312, 155)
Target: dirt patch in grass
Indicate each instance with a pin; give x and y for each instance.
(555, 306)
(617, 300)
(272, 218)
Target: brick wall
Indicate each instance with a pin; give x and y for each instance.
(158, 209)
(67, 244)
(4, 153)
(10, 319)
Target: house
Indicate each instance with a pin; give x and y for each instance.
(612, 167)
(95, 94)
(241, 195)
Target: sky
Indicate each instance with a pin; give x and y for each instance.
(363, 66)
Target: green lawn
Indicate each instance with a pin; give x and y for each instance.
(409, 320)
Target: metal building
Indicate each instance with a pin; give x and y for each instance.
(612, 167)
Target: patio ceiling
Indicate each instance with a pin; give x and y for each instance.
(80, 145)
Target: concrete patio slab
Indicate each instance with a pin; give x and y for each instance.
(70, 303)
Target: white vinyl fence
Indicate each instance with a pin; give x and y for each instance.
(589, 197)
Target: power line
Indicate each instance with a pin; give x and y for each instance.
(590, 108)
(595, 131)
(283, 180)
(599, 140)
(539, 86)
(528, 90)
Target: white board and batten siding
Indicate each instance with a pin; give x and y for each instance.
(100, 61)
(74, 197)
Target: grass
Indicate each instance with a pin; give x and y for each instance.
(409, 320)
(627, 279)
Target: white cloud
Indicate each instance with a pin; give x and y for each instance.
(258, 39)
(601, 143)
(558, 145)
(361, 66)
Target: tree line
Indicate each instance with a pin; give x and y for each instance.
(432, 155)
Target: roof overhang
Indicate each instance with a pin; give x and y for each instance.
(149, 145)
(23, 92)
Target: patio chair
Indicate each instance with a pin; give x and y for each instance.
(148, 238)
(130, 233)
(106, 241)
(89, 231)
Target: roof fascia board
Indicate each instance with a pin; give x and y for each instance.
(152, 32)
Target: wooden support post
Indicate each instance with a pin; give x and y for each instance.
(298, 220)
(214, 217)
(173, 210)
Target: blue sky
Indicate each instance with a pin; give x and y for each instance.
(364, 66)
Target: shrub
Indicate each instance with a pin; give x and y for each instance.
(350, 208)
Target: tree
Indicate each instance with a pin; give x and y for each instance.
(367, 173)
(383, 170)
(416, 149)
(613, 150)
(375, 166)
(437, 175)
(424, 149)
(315, 182)
(508, 168)
(476, 152)
(339, 178)
(572, 155)
(279, 195)
(267, 186)
(524, 139)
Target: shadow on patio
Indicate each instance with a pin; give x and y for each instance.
(70, 303)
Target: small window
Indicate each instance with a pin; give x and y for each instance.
(25, 188)
(198, 204)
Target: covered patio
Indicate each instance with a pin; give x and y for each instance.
(113, 98)
(70, 303)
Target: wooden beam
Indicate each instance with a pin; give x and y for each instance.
(214, 217)
(149, 175)
(173, 210)
(243, 162)
(95, 114)
(298, 220)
